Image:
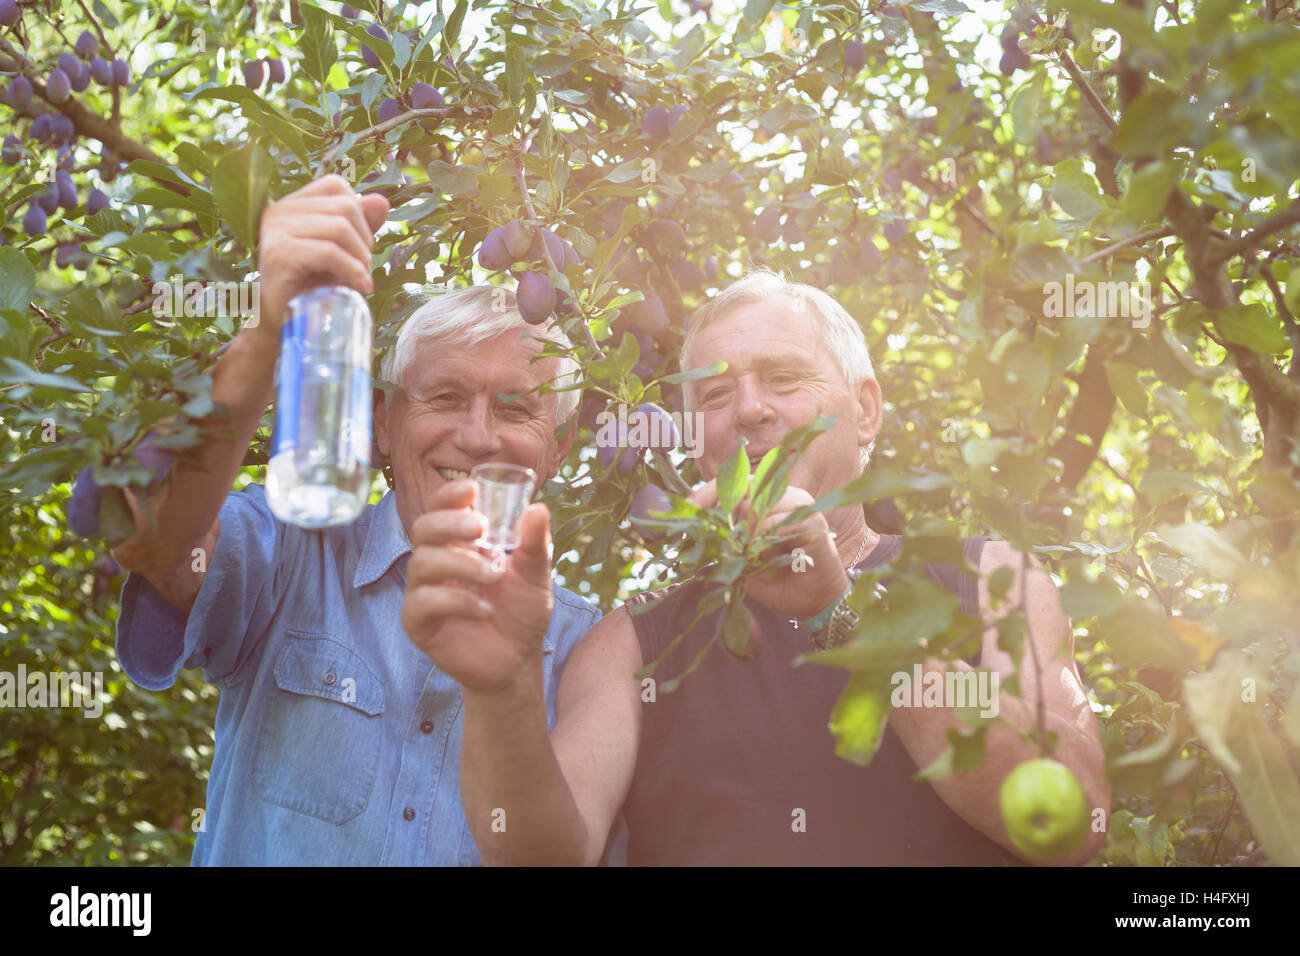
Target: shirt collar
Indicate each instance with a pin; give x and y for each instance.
(386, 542)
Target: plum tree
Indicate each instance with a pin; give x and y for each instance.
(573, 122)
(83, 508)
(388, 109)
(855, 56)
(20, 93)
(518, 239)
(649, 501)
(35, 223)
(648, 315)
(66, 254)
(661, 427)
(370, 57)
(87, 45)
(424, 96)
(869, 259)
(767, 227)
(254, 73)
(70, 65)
(67, 190)
(102, 71)
(57, 86)
(688, 276)
(536, 298)
(493, 254)
(666, 236)
(48, 199)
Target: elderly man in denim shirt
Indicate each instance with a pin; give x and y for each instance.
(337, 739)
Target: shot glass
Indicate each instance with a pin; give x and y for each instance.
(503, 493)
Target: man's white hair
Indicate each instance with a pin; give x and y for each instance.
(842, 336)
(464, 317)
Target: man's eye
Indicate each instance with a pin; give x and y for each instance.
(517, 411)
(714, 395)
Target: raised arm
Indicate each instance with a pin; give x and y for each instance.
(530, 798)
(319, 234)
(974, 795)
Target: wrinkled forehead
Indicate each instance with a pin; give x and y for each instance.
(754, 334)
(509, 359)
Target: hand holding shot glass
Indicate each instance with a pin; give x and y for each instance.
(504, 492)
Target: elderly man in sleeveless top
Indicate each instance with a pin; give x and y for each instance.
(715, 772)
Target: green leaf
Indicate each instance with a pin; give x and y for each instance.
(17, 280)
(1245, 745)
(965, 751)
(515, 70)
(452, 33)
(1075, 191)
(1149, 190)
(319, 48)
(1207, 549)
(733, 480)
(1252, 326)
(240, 187)
(1140, 635)
(755, 13)
(860, 716)
(736, 627)
(13, 372)
(1085, 598)
(452, 179)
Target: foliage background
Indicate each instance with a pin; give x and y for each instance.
(1154, 469)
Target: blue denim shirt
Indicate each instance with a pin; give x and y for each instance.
(337, 740)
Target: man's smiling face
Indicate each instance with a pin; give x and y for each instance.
(779, 376)
(451, 417)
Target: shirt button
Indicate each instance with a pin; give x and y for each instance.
(408, 813)
(427, 726)
(330, 677)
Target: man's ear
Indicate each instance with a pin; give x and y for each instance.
(380, 415)
(871, 417)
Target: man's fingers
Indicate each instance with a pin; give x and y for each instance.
(705, 496)
(453, 494)
(325, 186)
(437, 565)
(322, 225)
(431, 604)
(325, 257)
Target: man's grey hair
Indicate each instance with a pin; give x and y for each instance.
(842, 336)
(464, 317)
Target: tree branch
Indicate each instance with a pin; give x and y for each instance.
(1288, 217)
(379, 129)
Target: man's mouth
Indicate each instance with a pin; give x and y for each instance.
(452, 474)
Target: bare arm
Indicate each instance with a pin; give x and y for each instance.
(321, 233)
(560, 793)
(974, 795)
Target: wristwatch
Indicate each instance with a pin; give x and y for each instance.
(843, 620)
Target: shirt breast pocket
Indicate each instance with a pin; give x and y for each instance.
(319, 743)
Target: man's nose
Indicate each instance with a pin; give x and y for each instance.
(752, 408)
(477, 435)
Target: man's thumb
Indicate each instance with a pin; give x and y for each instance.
(532, 559)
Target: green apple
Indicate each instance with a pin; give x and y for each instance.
(1044, 809)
